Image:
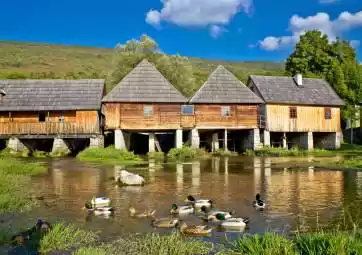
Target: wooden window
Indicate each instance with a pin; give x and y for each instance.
(147, 110)
(225, 111)
(42, 117)
(327, 113)
(187, 110)
(293, 112)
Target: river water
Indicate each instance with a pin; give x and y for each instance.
(297, 195)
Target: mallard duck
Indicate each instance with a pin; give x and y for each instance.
(145, 214)
(199, 202)
(232, 223)
(210, 215)
(194, 230)
(258, 203)
(182, 209)
(98, 202)
(105, 211)
(165, 223)
(40, 226)
(43, 226)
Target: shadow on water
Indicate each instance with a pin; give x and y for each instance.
(295, 196)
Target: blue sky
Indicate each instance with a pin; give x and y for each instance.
(216, 29)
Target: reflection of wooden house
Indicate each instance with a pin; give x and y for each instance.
(225, 103)
(48, 108)
(299, 111)
(144, 100)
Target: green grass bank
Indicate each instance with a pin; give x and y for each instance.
(15, 176)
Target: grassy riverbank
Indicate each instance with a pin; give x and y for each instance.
(67, 237)
(280, 152)
(15, 176)
(110, 155)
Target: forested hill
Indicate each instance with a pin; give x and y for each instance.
(46, 61)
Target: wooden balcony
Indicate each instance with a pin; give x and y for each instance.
(47, 129)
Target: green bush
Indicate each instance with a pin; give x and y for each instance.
(278, 152)
(109, 155)
(187, 152)
(159, 156)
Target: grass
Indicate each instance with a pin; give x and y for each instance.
(223, 152)
(278, 152)
(49, 61)
(109, 155)
(187, 152)
(158, 156)
(15, 177)
(64, 237)
(349, 163)
(151, 244)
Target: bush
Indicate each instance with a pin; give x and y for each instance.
(159, 156)
(187, 152)
(109, 155)
(223, 152)
(278, 152)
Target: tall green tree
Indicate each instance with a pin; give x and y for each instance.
(178, 70)
(314, 56)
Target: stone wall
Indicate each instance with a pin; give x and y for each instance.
(302, 140)
(252, 141)
(328, 140)
(60, 147)
(96, 141)
(16, 145)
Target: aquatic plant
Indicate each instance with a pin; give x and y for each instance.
(349, 163)
(223, 152)
(109, 155)
(64, 237)
(187, 152)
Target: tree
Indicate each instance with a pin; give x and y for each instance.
(336, 62)
(178, 70)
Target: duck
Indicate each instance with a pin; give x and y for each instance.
(210, 215)
(194, 229)
(182, 209)
(258, 203)
(100, 201)
(104, 211)
(233, 223)
(40, 226)
(43, 226)
(145, 214)
(165, 223)
(199, 202)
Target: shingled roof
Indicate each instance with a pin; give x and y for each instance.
(284, 90)
(145, 84)
(51, 95)
(222, 87)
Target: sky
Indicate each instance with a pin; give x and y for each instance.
(249, 30)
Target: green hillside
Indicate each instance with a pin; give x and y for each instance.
(47, 61)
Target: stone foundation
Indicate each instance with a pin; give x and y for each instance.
(266, 138)
(16, 145)
(302, 140)
(195, 138)
(178, 138)
(96, 141)
(121, 139)
(215, 142)
(60, 147)
(151, 142)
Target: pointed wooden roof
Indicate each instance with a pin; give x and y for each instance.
(222, 87)
(145, 84)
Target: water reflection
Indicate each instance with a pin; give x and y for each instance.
(294, 195)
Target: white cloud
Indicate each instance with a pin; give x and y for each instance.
(321, 21)
(328, 1)
(216, 31)
(200, 13)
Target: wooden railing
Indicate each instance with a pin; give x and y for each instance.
(47, 128)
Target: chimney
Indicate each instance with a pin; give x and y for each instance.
(298, 79)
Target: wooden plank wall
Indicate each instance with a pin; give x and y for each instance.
(242, 116)
(309, 118)
(81, 122)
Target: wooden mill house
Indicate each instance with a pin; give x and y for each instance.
(59, 110)
(144, 103)
(223, 105)
(298, 111)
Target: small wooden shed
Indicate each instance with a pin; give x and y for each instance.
(144, 100)
(47, 108)
(224, 102)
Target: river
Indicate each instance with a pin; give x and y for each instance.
(297, 195)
